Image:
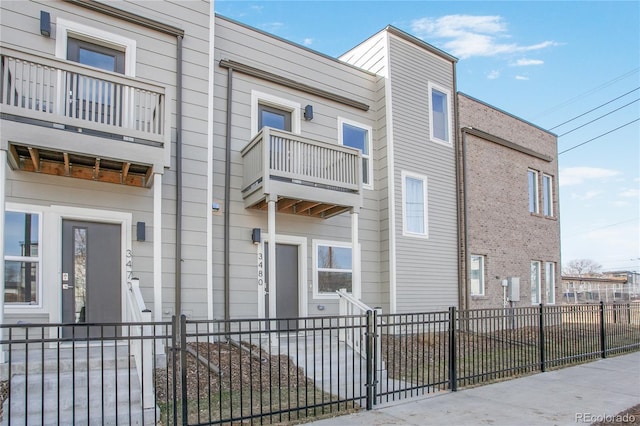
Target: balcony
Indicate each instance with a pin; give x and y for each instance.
(108, 122)
(309, 177)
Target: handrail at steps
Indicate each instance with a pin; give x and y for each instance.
(142, 348)
(351, 308)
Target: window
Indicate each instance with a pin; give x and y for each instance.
(476, 275)
(95, 55)
(358, 136)
(332, 268)
(550, 282)
(547, 195)
(273, 117)
(414, 204)
(535, 282)
(439, 114)
(273, 111)
(533, 191)
(21, 258)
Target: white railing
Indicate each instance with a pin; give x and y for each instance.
(590, 291)
(352, 311)
(71, 94)
(141, 348)
(279, 154)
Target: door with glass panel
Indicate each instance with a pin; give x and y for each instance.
(91, 277)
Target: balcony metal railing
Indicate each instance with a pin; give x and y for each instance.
(283, 156)
(66, 93)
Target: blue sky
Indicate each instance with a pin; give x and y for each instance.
(546, 62)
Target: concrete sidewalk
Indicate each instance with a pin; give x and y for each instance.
(569, 396)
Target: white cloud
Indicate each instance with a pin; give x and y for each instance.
(470, 35)
(586, 196)
(271, 27)
(526, 62)
(307, 41)
(621, 203)
(493, 75)
(577, 175)
(630, 193)
(521, 77)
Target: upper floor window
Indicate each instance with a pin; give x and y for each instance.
(476, 275)
(332, 268)
(358, 136)
(21, 258)
(547, 195)
(414, 205)
(533, 191)
(439, 119)
(274, 117)
(95, 55)
(273, 111)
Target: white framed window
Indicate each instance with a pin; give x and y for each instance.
(439, 114)
(68, 33)
(269, 109)
(476, 275)
(547, 195)
(22, 258)
(357, 135)
(534, 206)
(332, 268)
(414, 205)
(535, 282)
(550, 282)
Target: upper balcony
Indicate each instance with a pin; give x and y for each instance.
(309, 177)
(107, 116)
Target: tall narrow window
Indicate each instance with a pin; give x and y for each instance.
(547, 195)
(439, 114)
(21, 258)
(535, 282)
(333, 268)
(550, 282)
(476, 275)
(414, 204)
(533, 191)
(358, 136)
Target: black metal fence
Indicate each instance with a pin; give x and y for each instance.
(214, 372)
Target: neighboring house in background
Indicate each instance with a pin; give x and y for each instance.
(174, 146)
(510, 223)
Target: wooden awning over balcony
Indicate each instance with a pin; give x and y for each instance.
(308, 177)
(80, 166)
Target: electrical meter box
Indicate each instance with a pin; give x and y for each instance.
(513, 289)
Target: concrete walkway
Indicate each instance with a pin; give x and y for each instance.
(568, 396)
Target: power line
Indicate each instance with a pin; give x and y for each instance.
(598, 118)
(602, 86)
(599, 136)
(591, 110)
(582, 232)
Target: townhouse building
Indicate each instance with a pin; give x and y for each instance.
(235, 174)
(510, 223)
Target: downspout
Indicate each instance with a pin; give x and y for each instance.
(178, 295)
(463, 301)
(227, 197)
(466, 218)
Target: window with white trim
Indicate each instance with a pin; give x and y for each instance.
(22, 261)
(476, 275)
(550, 281)
(274, 111)
(547, 195)
(535, 282)
(332, 268)
(414, 205)
(439, 114)
(356, 135)
(532, 177)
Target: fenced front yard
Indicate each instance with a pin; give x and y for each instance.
(214, 372)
